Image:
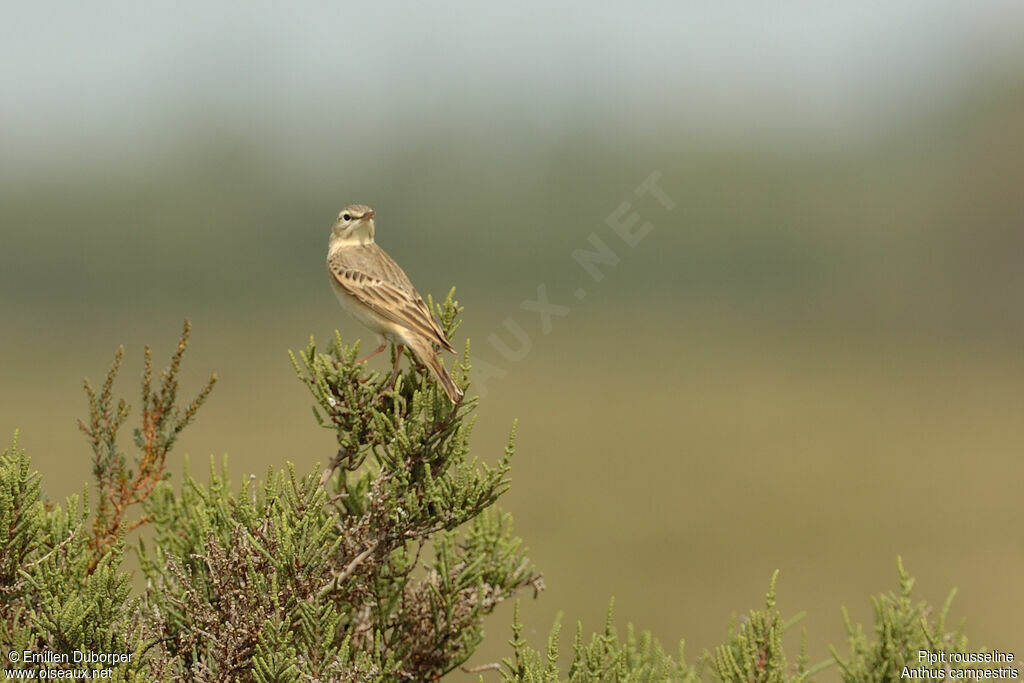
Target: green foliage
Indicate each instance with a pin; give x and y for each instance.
(162, 421)
(603, 658)
(902, 629)
(53, 597)
(754, 651)
(380, 567)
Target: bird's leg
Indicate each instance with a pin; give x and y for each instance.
(394, 369)
(383, 345)
(390, 385)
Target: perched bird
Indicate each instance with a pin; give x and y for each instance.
(377, 292)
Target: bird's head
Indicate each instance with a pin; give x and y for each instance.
(354, 224)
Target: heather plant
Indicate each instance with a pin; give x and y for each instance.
(381, 565)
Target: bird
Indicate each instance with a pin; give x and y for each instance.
(377, 292)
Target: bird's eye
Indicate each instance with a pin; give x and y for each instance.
(346, 217)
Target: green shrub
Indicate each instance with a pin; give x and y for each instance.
(380, 567)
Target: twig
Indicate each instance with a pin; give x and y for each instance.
(349, 570)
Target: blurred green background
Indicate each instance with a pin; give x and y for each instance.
(812, 363)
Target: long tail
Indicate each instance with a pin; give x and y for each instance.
(425, 352)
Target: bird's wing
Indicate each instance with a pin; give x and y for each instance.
(377, 282)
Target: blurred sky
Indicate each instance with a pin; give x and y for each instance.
(88, 83)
